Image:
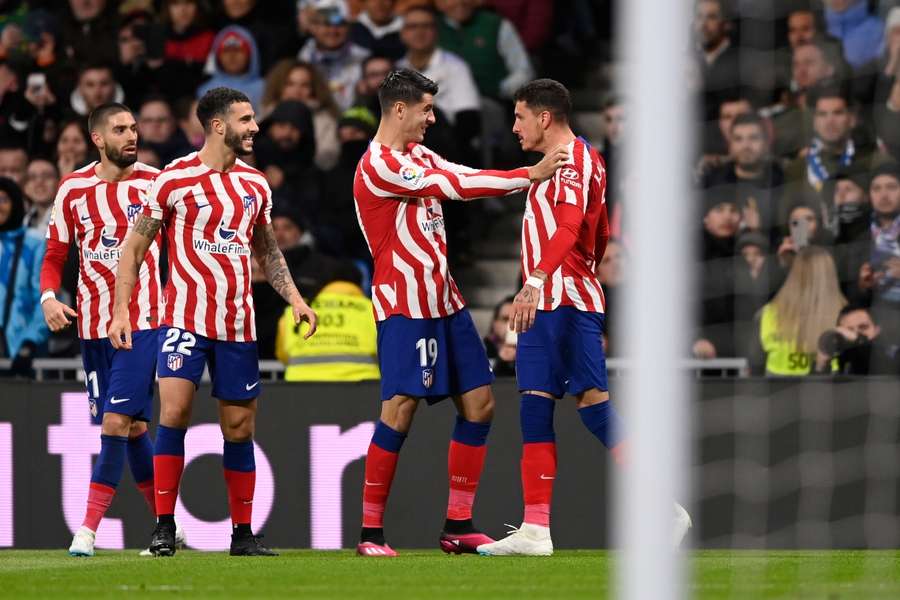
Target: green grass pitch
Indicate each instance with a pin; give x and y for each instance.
(829, 575)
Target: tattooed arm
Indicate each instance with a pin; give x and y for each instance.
(136, 246)
(525, 303)
(269, 256)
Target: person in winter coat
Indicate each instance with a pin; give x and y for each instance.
(234, 63)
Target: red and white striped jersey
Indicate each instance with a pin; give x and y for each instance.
(209, 218)
(97, 215)
(397, 197)
(581, 183)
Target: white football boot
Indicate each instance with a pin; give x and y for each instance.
(82, 543)
(527, 540)
(682, 524)
(180, 540)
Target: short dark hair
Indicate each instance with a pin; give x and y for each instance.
(404, 85)
(100, 115)
(546, 94)
(853, 307)
(94, 66)
(216, 102)
(827, 89)
(749, 119)
(610, 100)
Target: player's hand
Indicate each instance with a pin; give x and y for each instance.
(57, 314)
(120, 331)
(549, 164)
(302, 312)
(524, 309)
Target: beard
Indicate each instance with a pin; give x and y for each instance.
(117, 157)
(235, 143)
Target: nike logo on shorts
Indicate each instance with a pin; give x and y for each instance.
(115, 400)
(250, 387)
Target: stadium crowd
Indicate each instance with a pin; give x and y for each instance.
(799, 131)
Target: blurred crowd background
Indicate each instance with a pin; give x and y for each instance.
(797, 117)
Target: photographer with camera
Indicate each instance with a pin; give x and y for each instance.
(855, 346)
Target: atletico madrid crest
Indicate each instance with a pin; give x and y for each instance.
(175, 361)
(427, 377)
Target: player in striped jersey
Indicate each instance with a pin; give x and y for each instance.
(95, 207)
(559, 312)
(427, 344)
(215, 208)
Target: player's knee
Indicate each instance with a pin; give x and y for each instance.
(175, 415)
(481, 412)
(397, 413)
(592, 397)
(116, 424)
(137, 429)
(238, 428)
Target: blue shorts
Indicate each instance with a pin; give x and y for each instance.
(120, 381)
(431, 358)
(233, 366)
(562, 353)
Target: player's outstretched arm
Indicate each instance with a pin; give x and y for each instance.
(56, 314)
(272, 261)
(136, 246)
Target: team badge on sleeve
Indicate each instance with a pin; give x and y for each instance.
(174, 361)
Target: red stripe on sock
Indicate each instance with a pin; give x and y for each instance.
(464, 465)
(146, 489)
(167, 470)
(99, 498)
(380, 468)
(538, 472)
(241, 485)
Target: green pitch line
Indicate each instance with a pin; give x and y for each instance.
(431, 575)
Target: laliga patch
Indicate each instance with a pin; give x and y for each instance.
(174, 361)
(409, 173)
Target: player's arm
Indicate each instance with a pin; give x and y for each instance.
(136, 246)
(59, 235)
(275, 267)
(389, 177)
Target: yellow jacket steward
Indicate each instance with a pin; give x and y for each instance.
(344, 346)
(782, 357)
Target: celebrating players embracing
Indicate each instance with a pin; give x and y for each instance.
(95, 207)
(559, 312)
(427, 344)
(215, 208)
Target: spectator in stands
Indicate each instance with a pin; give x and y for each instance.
(458, 96)
(756, 277)
(332, 52)
(500, 342)
(32, 122)
(89, 32)
(297, 80)
(806, 306)
(717, 135)
(72, 147)
(886, 95)
(811, 64)
(847, 216)
(188, 123)
(141, 55)
(533, 20)
(613, 110)
(271, 25)
(22, 327)
(721, 221)
(13, 164)
(879, 277)
(374, 69)
(857, 345)
(159, 132)
(489, 44)
(284, 150)
(802, 27)
(234, 63)
(96, 86)
(41, 181)
(832, 146)
(188, 40)
(804, 229)
(751, 176)
(338, 232)
(377, 29)
(861, 32)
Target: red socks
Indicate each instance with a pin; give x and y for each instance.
(464, 465)
(146, 489)
(380, 467)
(167, 476)
(99, 498)
(538, 473)
(240, 494)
